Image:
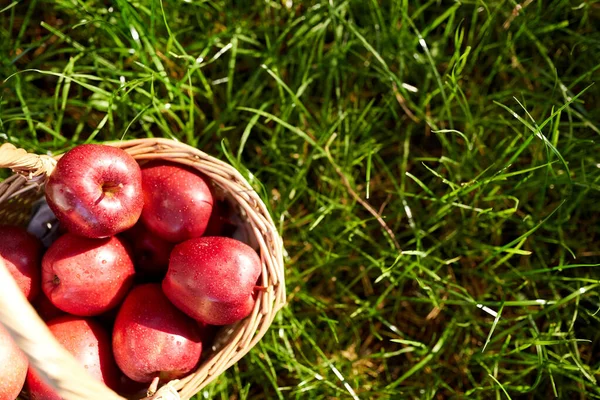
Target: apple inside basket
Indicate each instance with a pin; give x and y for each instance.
(242, 217)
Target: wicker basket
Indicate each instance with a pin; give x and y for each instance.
(17, 195)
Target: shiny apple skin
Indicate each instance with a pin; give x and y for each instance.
(96, 191)
(13, 367)
(22, 253)
(178, 201)
(150, 253)
(212, 279)
(86, 277)
(45, 309)
(152, 338)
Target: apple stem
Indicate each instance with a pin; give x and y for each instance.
(109, 188)
(100, 198)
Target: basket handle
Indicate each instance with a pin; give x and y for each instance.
(30, 165)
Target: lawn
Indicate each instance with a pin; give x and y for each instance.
(432, 166)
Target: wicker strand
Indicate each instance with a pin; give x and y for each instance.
(167, 392)
(32, 166)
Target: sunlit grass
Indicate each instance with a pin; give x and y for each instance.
(432, 166)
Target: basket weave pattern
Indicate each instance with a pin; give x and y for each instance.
(18, 192)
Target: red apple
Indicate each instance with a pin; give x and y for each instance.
(84, 276)
(45, 309)
(212, 279)
(22, 253)
(177, 201)
(13, 367)
(152, 338)
(209, 333)
(150, 252)
(89, 343)
(217, 220)
(221, 221)
(96, 190)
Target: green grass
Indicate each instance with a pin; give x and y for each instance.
(433, 167)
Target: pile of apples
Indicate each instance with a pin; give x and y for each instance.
(139, 278)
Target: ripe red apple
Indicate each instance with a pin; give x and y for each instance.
(150, 252)
(152, 338)
(96, 190)
(220, 223)
(217, 220)
(212, 279)
(45, 309)
(13, 367)
(84, 276)
(22, 253)
(89, 343)
(177, 201)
